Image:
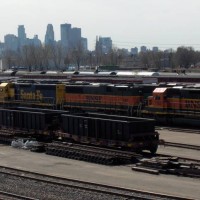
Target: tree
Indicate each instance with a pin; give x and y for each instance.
(185, 56)
(10, 58)
(78, 54)
(56, 54)
(145, 59)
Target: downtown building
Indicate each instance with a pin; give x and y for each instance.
(65, 30)
(71, 38)
(11, 42)
(143, 49)
(22, 40)
(134, 51)
(49, 36)
(16, 43)
(103, 45)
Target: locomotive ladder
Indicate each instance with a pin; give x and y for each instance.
(139, 108)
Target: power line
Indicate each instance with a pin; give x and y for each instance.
(152, 44)
(163, 46)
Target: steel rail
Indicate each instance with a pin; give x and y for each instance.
(139, 194)
(180, 145)
(17, 196)
(177, 129)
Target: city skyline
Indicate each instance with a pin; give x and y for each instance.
(130, 23)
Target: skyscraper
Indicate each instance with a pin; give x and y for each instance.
(65, 35)
(143, 49)
(155, 49)
(84, 43)
(11, 42)
(104, 44)
(134, 51)
(49, 37)
(75, 37)
(21, 36)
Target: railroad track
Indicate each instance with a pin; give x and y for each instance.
(177, 129)
(180, 145)
(89, 188)
(8, 195)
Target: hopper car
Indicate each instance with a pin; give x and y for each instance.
(135, 134)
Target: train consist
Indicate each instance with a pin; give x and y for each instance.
(92, 128)
(165, 103)
(115, 77)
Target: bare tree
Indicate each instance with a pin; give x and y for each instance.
(45, 54)
(8, 59)
(68, 59)
(27, 57)
(56, 54)
(78, 54)
(185, 56)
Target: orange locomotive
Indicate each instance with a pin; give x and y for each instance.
(175, 105)
(103, 97)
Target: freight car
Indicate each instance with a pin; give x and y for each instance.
(92, 128)
(121, 77)
(112, 131)
(33, 120)
(114, 77)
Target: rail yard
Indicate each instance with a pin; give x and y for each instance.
(115, 175)
(133, 140)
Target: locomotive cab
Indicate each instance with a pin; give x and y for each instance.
(6, 91)
(158, 100)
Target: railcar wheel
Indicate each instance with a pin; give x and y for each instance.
(153, 149)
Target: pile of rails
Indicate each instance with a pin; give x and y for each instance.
(169, 165)
(92, 154)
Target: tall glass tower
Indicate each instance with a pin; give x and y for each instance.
(65, 30)
(49, 37)
(21, 35)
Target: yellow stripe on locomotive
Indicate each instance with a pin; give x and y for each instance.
(6, 91)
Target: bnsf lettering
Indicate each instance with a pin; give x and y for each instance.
(93, 99)
(31, 95)
(192, 104)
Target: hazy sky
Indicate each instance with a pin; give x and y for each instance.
(130, 23)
